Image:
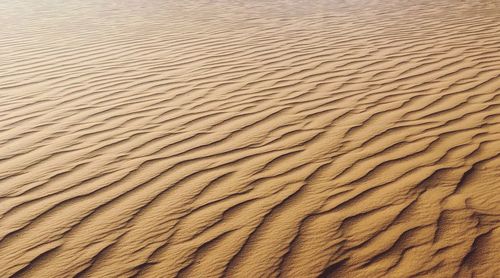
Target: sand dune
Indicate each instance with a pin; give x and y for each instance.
(250, 138)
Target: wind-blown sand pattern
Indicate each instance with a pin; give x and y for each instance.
(250, 139)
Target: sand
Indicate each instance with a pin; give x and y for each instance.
(167, 138)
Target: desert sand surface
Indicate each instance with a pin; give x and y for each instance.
(162, 138)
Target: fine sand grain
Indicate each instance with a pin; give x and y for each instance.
(161, 138)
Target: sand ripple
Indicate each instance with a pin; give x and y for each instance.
(250, 139)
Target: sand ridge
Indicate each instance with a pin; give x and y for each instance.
(250, 138)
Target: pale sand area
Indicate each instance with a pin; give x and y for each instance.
(162, 138)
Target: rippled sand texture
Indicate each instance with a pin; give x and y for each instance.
(250, 139)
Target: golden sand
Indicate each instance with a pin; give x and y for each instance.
(167, 138)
